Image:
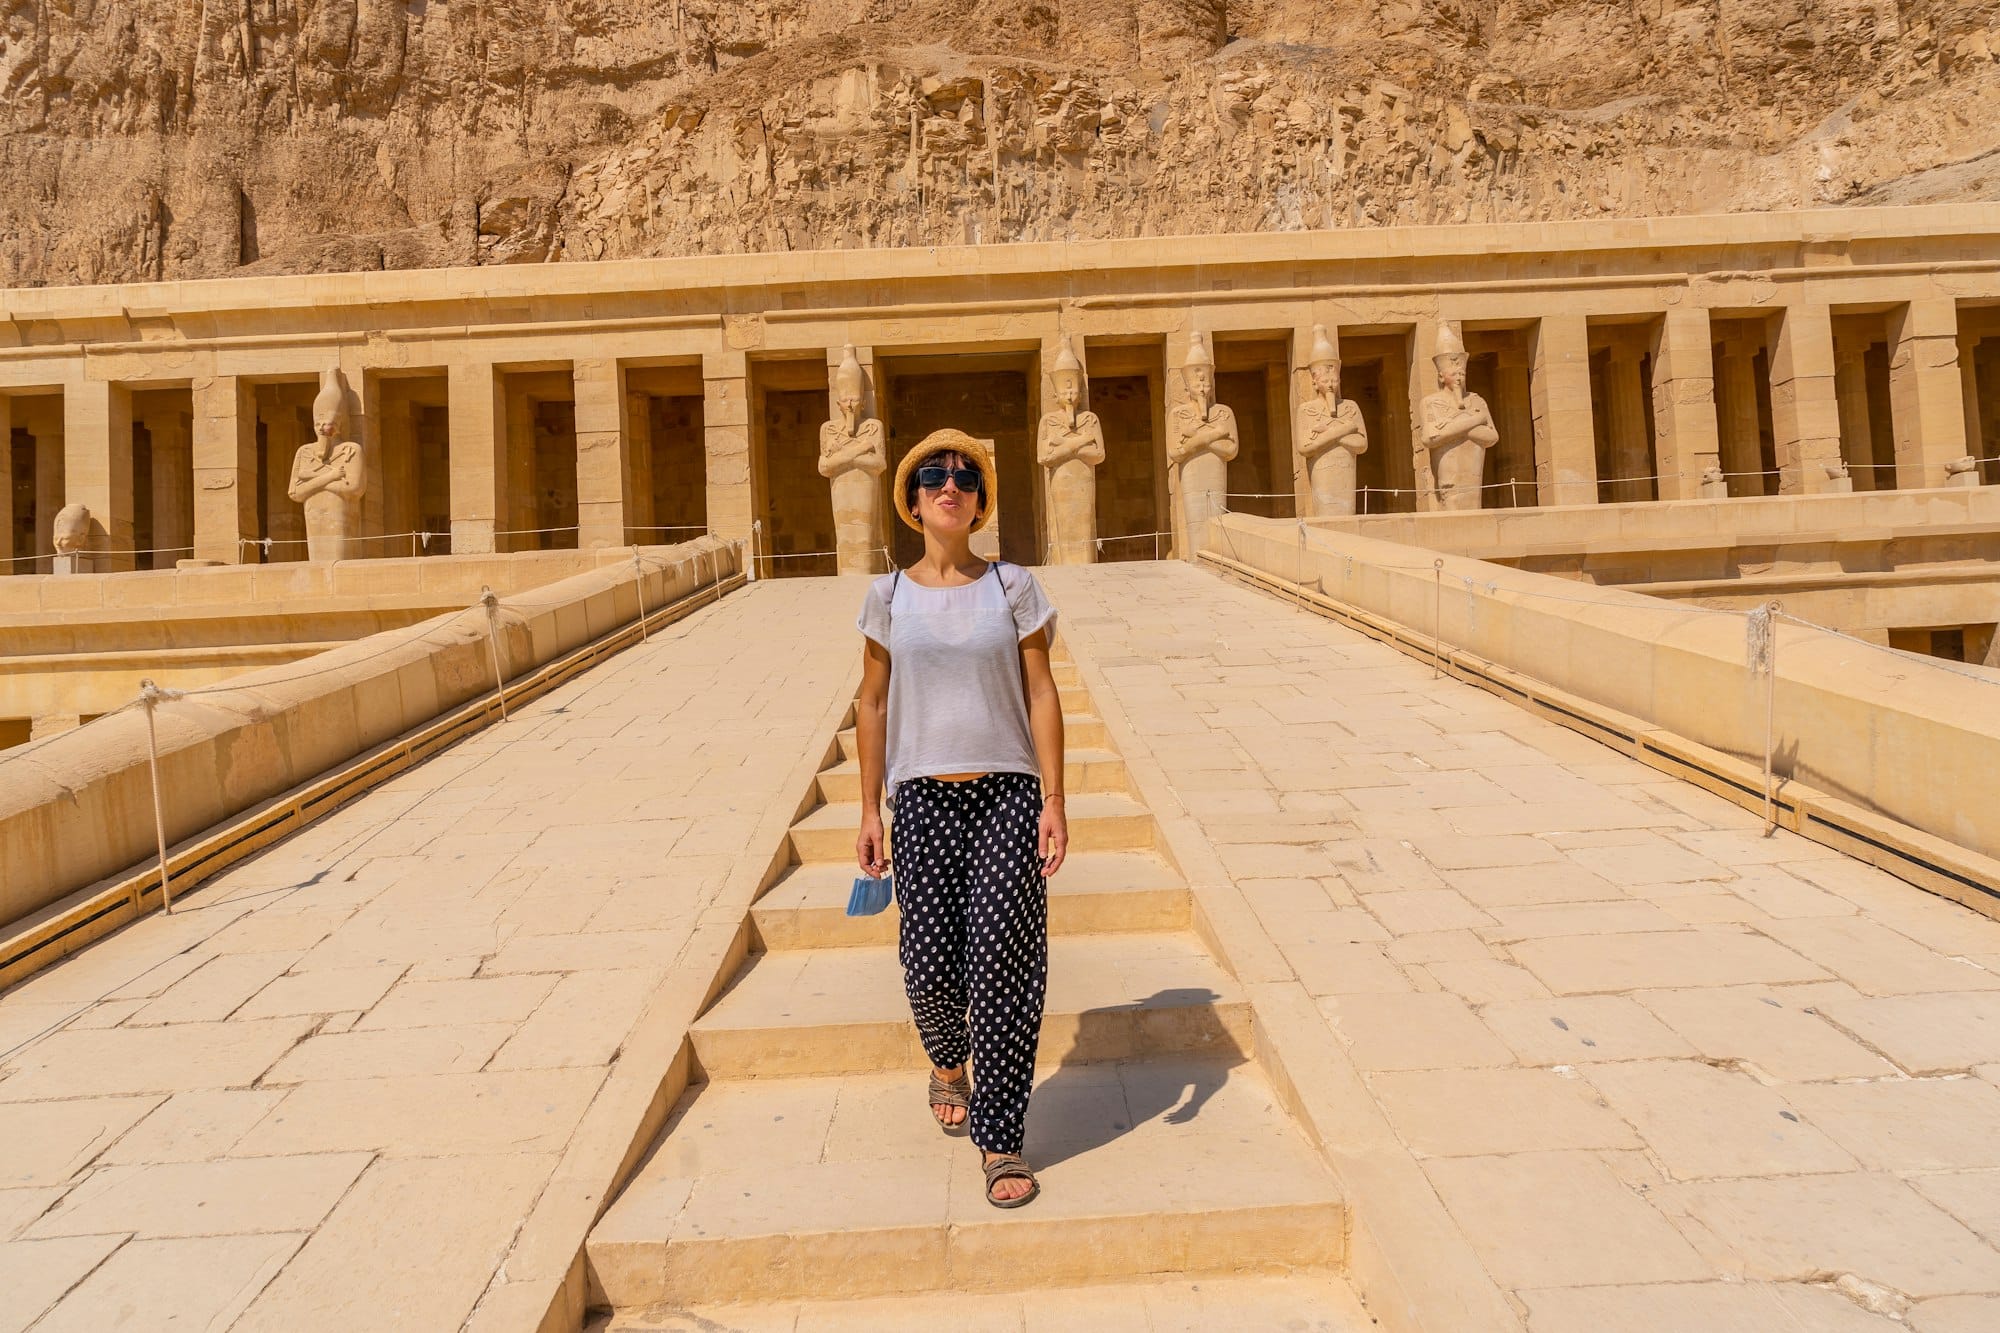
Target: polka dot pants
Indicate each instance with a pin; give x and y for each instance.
(975, 936)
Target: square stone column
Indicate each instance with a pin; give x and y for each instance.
(1423, 383)
(48, 486)
(725, 416)
(1687, 439)
(1634, 468)
(479, 483)
(1741, 442)
(284, 517)
(603, 453)
(1805, 410)
(172, 481)
(640, 520)
(1514, 418)
(8, 563)
(97, 466)
(1926, 394)
(1565, 436)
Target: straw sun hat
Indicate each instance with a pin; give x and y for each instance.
(939, 442)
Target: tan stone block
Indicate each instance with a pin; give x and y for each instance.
(1436, 947)
(1603, 1233)
(1520, 1110)
(1711, 1307)
(1956, 1314)
(1327, 968)
(45, 1143)
(1973, 1197)
(20, 1207)
(1514, 924)
(1263, 860)
(1450, 851)
(205, 1198)
(217, 990)
(1663, 959)
(325, 991)
(1909, 1125)
(1777, 1029)
(525, 1111)
(1436, 1031)
(391, 1053)
(1704, 909)
(420, 1238)
(1701, 1121)
(36, 1273)
(478, 1000)
(649, 950)
(584, 1021)
(1486, 980)
(194, 1126)
(1876, 960)
(1795, 1228)
(1653, 862)
(204, 1281)
(1517, 886)
(272, 932)
(131, 1060)
(1582, 1028)
(1423, 910)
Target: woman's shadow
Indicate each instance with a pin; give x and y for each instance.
(1163, 1056)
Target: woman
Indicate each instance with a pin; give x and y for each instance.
(958, 714)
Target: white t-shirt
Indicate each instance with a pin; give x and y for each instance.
(956, 701)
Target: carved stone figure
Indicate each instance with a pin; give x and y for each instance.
(71, 538)
(327, 477)
(1714, 484)
(1962, 471)
(1331, 434)
(852, 456)
(1839, 481)
(1201, 439)
(1070, 445)
(1458, 428)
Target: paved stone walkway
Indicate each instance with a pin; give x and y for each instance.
(1663, 1072)
(326, 1093)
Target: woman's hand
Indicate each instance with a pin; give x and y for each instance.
(869, 847)
(1053, 836)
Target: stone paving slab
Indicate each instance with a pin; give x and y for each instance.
(326, 1092)
(1663, 1071)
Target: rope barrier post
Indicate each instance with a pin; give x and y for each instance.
(150, 695)
(492, 605)
(1761, 653)
(639, 586)
(1437, 614)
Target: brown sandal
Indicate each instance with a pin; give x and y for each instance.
(1000, 1168)
(951, 1092)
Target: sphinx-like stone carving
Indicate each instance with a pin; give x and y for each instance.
(1839, 481)
(1201, 439)
(852, 457)
(1069, 446)
(1458, 428)
(1962, 471)
(70, 535)
(1714, 484)
(327, 476)
(1331, 434)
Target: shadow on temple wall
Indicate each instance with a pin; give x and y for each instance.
(1094, 1097)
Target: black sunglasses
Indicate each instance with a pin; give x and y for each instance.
(968, 478)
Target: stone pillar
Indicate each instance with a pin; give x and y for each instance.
(1741, 444)
(479, 489)
(1301, 391)
(284, 517)
(1805, 414)
(1850, 392)
(48, 488)
(365, 426)
(602, 458)
(1632, 465)
(725, 416)
(1423, 383)
(8, 563)
(1925, 396)
(1565, 438)
(862, 509)
(172, 483)
(1684, 402)
(1071, 490)
(640, 518)
(1514, 418)
(97, 466)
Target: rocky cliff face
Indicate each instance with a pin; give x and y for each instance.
(146, 139)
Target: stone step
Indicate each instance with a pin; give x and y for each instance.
(842, 1011)
(1083, 771)
(1082, 730)
(836, 1188)
(1305, 1302)
(1094, 893)
(1098, 821)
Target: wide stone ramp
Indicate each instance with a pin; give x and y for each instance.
(801, 1183)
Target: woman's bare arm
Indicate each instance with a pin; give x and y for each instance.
(871, 736)
(1045, 721)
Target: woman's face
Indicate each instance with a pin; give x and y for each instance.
(947, 508)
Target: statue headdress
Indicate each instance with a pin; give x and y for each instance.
(848, 381)
(1448, 343)
(332, 395)
(1323, 350)
(1066, 362)
(1198, 353)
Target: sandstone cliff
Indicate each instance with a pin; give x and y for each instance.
(183, 138)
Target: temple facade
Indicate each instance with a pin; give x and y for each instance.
(548, 407)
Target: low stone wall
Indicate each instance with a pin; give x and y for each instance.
(77, 807)
(1889, 733)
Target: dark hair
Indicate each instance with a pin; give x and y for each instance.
(910, 488)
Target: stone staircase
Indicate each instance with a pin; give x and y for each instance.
(802, 1184)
